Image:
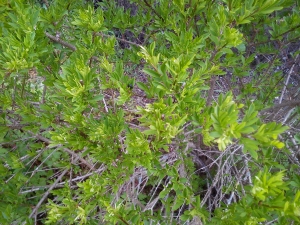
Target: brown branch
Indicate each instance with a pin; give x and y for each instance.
(46, 194)
(44, 94)
(74, 154)
(279, 80)
(282, 105)
(287, 80)
(124, 221)
(63, 43)
(284, 33)
(213, 78)
(73, 47)
(211, 90)
(290, 30)
(66, 44)
(16, 126)
(119, 39)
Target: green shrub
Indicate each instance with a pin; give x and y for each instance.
(114, 115)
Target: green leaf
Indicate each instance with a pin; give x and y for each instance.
(97, 98)
(250, 146)
(178, 203)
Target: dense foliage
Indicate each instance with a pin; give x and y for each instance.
(149, 112)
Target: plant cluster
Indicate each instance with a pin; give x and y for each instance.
(149, 112)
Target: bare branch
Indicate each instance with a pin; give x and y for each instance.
(63, 43)
(66, 44)
(46, 194)
(211, 90)
(119, 39)
(289, 104)
(287, 80)
(46, 140)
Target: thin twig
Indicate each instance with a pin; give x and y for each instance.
(38, 167)
(119, 39)
(47, 141)
(211, 90)
(46, 194)
(61, 184)
(58, 40)
(278, 106)
(287, 81)
(66, 44)
(44, 94)
(290, 30)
